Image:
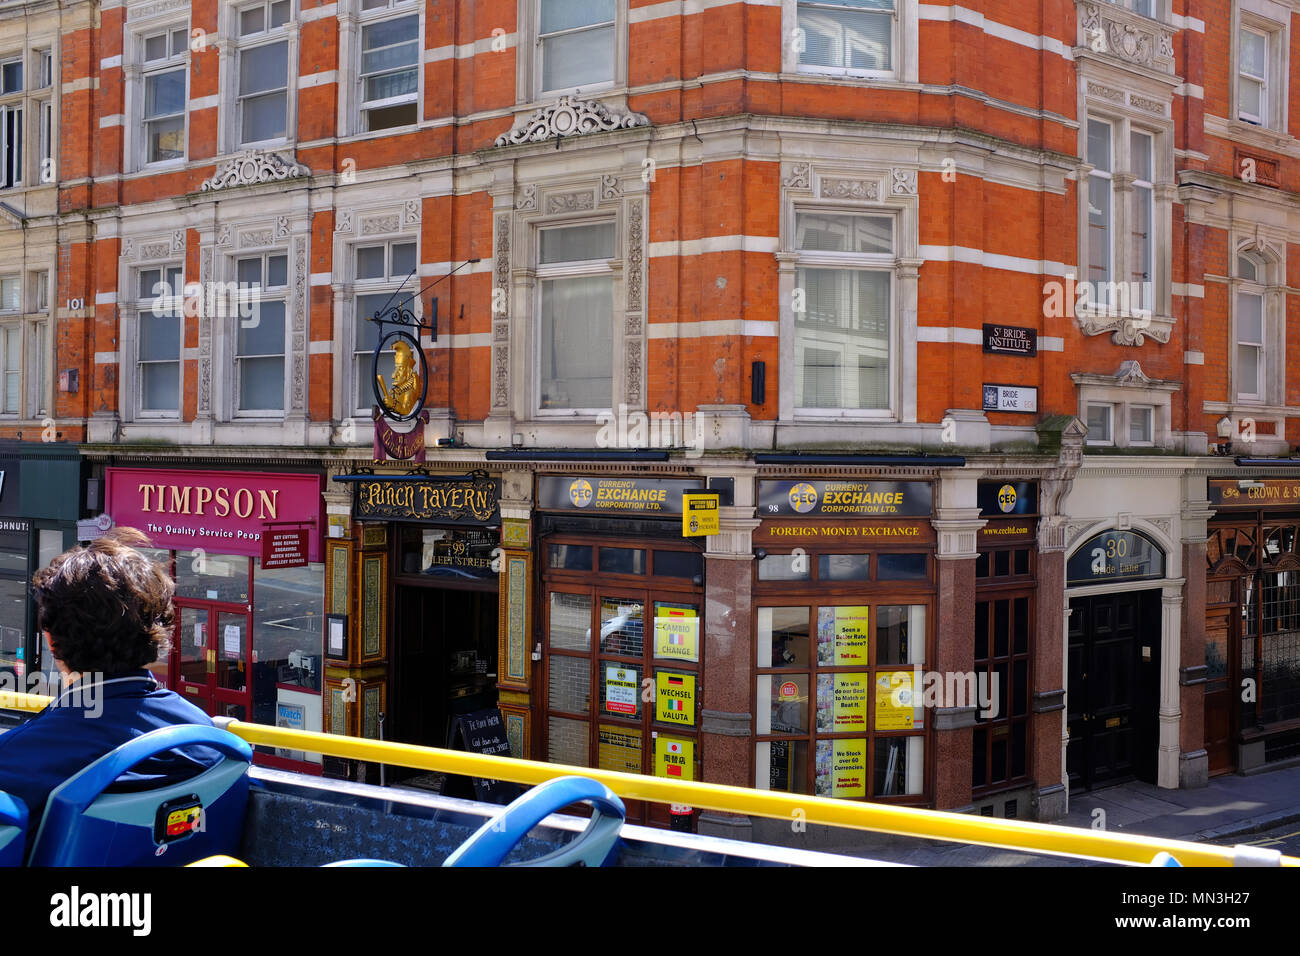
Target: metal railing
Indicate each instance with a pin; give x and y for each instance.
(883, 818)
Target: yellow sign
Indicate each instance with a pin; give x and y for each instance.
(674, 757)
(895, 700)
(677, 637)
(699, 515)
(843, 636)
(851, 692)
(675, 698)
(841, 768)
(620, 749)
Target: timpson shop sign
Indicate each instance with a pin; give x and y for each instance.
(223, 512)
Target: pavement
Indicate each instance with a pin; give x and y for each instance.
(1231, 809)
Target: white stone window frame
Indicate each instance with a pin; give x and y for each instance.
(136, 70)
(351, 21)
(905, 58)
(43, 126)
(1120, 397)
(1272, 20)
(529, 70)
(1150, 439)
(230, 114)
(32, 100)
(820, 189)
(131, 307)
(1129, 326)
(1110, 422)
(346, 290)
(1271, 287)
(230, 322)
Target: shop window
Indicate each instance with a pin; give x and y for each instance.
(831, 568)
(902, 567)
(1002, 640)
(569, 557)
(834, 682)
(259, 338)
(389, 73)
(997, 564)
(454, 554)
(382, 274)
(212, 577)
(622, 560)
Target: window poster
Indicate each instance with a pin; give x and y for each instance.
(841, 768)
(674, 757)
(231, 642)
(677, 634)
(621, 688)
(620, 749)
(842, 635)
(895, 701)
(842, 702)
(675, 698)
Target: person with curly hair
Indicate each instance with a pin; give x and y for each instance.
(106, 611)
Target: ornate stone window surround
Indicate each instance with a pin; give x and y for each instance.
(1127, 110)
(1110, 32)
(254, 239)
(568, 203)
(369, 226)
(231, 46)
(529, 70)
(140, 253)
(1127, 388)
(904, 56)
(1272, 285)
(1271, 19)
(351, 20)
(860, 189)
(142, 21)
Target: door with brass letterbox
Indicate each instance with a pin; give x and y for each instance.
(213, 652)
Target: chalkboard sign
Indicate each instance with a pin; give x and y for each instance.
(484, 732)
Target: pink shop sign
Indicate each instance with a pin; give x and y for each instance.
(223, 512)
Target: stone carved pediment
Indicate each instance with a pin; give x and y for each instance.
(570, 117)
(252, 167)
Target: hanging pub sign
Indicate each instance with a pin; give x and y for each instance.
(597, 493)
(399, 401)
(1115, 556)
(470, 500)
(843, 499)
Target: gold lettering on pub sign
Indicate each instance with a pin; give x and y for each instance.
(203, 500)
(415, 499)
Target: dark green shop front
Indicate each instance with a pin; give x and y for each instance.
(41, 494)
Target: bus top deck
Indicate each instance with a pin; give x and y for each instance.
(281, 818)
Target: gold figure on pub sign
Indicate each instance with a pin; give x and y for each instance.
(407, 387)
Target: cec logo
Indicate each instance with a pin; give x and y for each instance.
(580, 493)
(1006, 498)
(803, 497)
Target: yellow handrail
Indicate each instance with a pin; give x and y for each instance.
(884, 818)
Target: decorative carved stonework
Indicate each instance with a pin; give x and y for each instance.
(205, 341)
(902, 182)
(501, 269)
(501, 375)
(1127, 329)
(128, 248)
(1151, 106)
(1116, 31)
(281, 227)
(501, 316)
(344, 221)
(527, 201)
(862, 190)
(800, 173)
(147, 10)
(411, 214)
(252, 167)
(178, 240)
(570, 117)
(375, 225)
(635, 254)
(256, 237)
(297, 398)
(224, 234)
(1106, 92)
(155, 250)
(300, 301)
(610, 188)
(1130, 373)
(632, 372)
(570, 202)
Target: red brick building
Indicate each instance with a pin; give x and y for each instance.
(948, 303)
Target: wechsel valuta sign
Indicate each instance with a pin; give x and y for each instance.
(223, 512)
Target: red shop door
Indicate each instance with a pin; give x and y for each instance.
(211, 653)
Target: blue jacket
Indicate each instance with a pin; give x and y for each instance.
(67, 736)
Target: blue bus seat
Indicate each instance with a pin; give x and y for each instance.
(496, 838)
(13, 830)
(170, 825)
